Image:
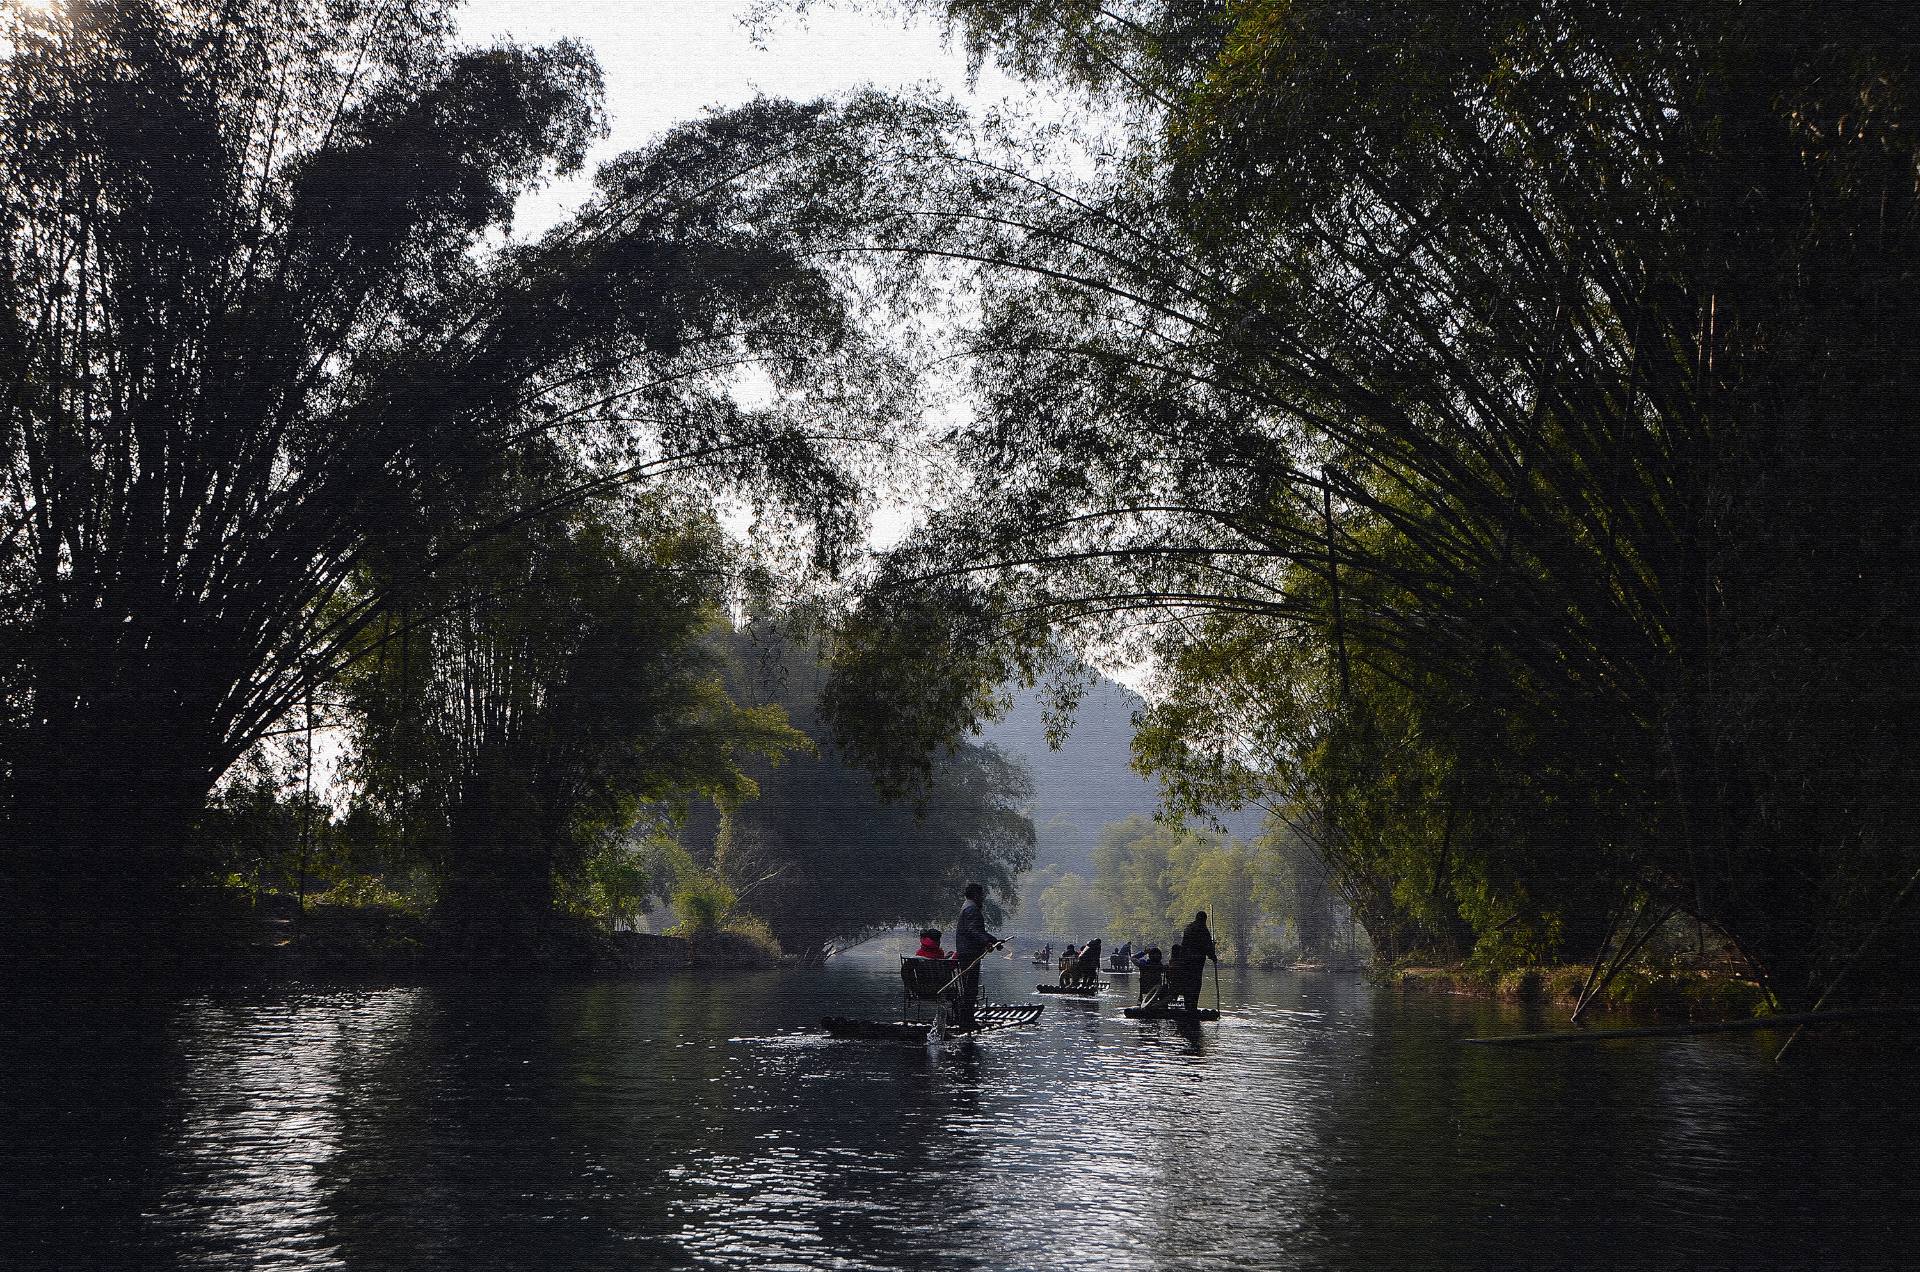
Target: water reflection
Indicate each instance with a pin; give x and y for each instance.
(683, 1122)
(265, 1090)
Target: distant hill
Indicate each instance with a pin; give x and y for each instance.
(1087, 783)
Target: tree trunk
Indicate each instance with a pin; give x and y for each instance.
(497, 892)
(98, 828)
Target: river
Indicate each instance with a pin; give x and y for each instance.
(696, 1122)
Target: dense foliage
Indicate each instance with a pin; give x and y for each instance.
(545, 694)
(1493, 417)
(1269, 900)
(272, 374)
(826, 859)
(1490, 419)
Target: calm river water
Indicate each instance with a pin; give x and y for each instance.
(686, 1122)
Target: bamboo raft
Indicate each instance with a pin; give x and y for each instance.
(1081, 978)
(987, 1018)
(1161, 1011)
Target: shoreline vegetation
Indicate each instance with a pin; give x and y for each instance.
(1484, 429)
(1692, 994)
(234, 944)
(228, 944)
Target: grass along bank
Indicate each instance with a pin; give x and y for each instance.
(1664, 992)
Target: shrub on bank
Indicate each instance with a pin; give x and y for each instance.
(703, 901)
(1647, 990)
(366, 892)
(753, 930)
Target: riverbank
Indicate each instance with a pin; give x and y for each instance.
(1661, 993)
(221, 946)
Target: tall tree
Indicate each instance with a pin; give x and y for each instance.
(1067, 908)
(1551, 346)
(256, 313)
(543, 693)
(825, 857)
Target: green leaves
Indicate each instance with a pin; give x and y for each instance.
(823, 854)
(1491, 352)
(276, 389)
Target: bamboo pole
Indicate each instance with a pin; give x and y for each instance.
(1865, 945)
(1625, 955)
(1333, 584)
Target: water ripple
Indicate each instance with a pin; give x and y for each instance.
(1324, 1123)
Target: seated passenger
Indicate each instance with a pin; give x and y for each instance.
(1152, 974)
(930, 946)
(1080, 969)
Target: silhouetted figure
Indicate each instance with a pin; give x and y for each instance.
(1082, 971)
(971, 941)
(1189, 963)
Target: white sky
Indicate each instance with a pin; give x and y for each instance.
(669, 60)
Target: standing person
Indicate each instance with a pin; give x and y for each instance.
(971, 941)
(1196, 943)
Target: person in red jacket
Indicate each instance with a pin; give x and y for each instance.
(930, 946)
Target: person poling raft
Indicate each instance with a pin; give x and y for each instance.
(1173, 992)
(936, 982)
(1079, 975)
(951, 982)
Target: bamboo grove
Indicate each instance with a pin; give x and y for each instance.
(291, 424)
(1494, 421)
(1491, 423)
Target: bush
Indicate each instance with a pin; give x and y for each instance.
(365, 892)
(703, 901)
(755, 930)
(1275, 953)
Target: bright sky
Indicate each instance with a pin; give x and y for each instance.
(668, 60)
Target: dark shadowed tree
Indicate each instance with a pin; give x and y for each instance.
(1544, 359)
(546, 691)
(258, 320)
(826, 858)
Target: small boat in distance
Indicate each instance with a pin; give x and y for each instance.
(1080, 978)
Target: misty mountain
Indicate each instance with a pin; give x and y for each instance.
(1088, 782)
